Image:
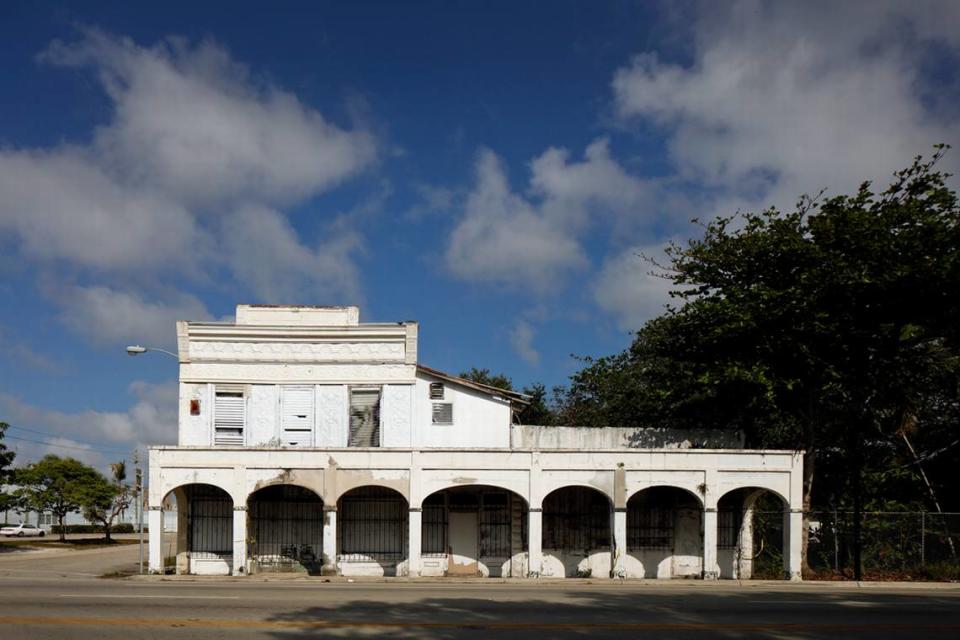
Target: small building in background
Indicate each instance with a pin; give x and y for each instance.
(309, 441)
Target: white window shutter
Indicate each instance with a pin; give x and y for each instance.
(296, 415)
(229, 415)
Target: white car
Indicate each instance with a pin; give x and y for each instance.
(21, 530)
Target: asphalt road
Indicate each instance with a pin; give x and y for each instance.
(84, 563)
(67, 608)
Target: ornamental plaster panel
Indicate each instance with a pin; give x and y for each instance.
(216, 351)
(332, 409)
(267, 372)
(397, 420)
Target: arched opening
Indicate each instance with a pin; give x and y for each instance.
(372, 532)
(664, 534)
(751, 534)
(203, 521)
(474, 530)
(577, 538)
(285, 530)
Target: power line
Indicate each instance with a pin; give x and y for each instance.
(66, 446)
(56, 435)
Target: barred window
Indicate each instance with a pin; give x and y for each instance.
(576, 518)
(435, 524)
(729, 522)
(651, 527)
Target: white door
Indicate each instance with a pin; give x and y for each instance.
(463, 544)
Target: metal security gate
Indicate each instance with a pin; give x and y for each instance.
(209, 522)
(576, 519)
(286, 529)
(373, 527)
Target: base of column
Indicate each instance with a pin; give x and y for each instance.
(793, 576)
(711, 575)
(329, 570)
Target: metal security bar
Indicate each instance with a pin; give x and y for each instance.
(373, 526)
(435, 525)
(209, 522)
(729, 522)
(286, 529)
(650, 528)
(576, 519)
(495, 525)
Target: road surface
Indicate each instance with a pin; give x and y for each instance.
(78, 607)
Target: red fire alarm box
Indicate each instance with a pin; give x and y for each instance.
(195, 407)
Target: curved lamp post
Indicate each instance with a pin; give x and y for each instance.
(135, 350)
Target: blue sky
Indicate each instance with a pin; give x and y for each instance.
(489, 169)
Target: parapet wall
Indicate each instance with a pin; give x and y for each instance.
(591, 438)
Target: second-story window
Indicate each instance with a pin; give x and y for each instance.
(364, 417)
(296, 416)
(229, 415)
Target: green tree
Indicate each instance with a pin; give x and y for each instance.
(106, 500)
(483, 376)
(60, 486)
(830, 328)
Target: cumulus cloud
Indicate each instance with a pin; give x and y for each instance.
(783, 99)
(196, 146)
(521, 339)
(267, 256)
(629, 288)
(531, 241)
(94, 437)
(107, 316)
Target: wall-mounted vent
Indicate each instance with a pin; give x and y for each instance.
(442, 413)
(436, 391)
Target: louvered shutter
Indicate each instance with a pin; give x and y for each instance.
(442, 413)
(364, 418)
(229, 415)
(296, 416)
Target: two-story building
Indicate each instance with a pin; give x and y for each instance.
(309, 441)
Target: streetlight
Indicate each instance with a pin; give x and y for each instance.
(135, 350)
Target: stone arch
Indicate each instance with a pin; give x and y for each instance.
(577, 539)
(739, 552)
(686, 490)
(204, 527)
(474, 529)
(601, 482)
(349, 480)
(285, 527)
(372, 526)
(664, 533)
(430, 486)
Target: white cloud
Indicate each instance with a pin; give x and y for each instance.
(521, 339)
(194, 144)
(531, 242)
(787, 98)
(192, 121)
(94, 437)
(265, 254)
(628, 288)
(109, 316)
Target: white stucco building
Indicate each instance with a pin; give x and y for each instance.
(309, 441)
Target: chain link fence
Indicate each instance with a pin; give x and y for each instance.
(895, 545)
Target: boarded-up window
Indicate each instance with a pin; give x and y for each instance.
(364, 418)
(442, 413)
(229, 415)
(296, 416)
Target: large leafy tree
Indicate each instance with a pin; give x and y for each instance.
(61, 486)
(831, 328)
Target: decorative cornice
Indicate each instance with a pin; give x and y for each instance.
(296, 351)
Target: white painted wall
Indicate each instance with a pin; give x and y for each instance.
(195, 430)
(479, 420)
(263, 402)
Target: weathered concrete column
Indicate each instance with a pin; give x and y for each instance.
(239, 540)
(711, 570)
(413, 537)
(534, 542)
(329, 541)
(155, 525)
(792, 544)
(619, 543)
